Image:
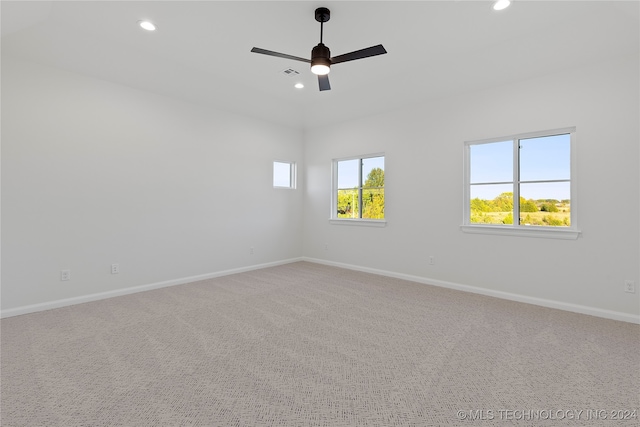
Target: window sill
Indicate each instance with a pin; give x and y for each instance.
(360, 222)
(523, 231)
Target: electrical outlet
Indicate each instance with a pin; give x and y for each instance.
(65, 275)
(115, 268)
(326, 246)
(251, 250)
(432, 260)
(630, 286)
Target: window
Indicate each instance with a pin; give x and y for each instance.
(521, 185)
(284, 175)
(358, 189)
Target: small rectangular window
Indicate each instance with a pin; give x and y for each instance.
(524, 182)
(284, 174)
(358, 188)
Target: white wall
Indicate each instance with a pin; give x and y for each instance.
(424, 152)
(95, 173)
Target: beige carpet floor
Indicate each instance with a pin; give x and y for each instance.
(310, 345)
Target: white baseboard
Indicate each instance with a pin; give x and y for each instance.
(126, 291)
(575, 308)
(592, 311)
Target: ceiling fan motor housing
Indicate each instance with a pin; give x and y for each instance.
(321, 55)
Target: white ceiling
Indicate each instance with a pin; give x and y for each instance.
(201, 50)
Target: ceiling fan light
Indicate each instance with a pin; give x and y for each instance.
(320, 69)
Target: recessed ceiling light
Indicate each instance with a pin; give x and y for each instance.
(298, 85)
(147, 25)
(501, 4)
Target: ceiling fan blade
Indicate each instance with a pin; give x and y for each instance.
(279, 55)
(359, 54)
(323, 82)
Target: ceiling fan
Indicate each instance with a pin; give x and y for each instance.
(321, 60)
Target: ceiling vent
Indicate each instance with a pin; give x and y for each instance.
(290, 72)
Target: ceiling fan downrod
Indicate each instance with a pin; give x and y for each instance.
(322, 15)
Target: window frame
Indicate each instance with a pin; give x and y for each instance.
(572, 232)
(333, 216)
(292, 175)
